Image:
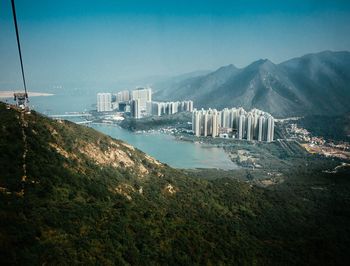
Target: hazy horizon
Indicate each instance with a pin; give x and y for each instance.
(99, 43)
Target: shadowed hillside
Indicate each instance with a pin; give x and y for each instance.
(80, 197)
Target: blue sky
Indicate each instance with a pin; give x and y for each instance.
(104, 42)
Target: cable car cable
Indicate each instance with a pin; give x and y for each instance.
(19, 46)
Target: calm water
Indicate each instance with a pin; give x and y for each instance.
(167, 149)
(164, 148)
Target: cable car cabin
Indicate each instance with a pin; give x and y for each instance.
(8, 106)
(21, 100)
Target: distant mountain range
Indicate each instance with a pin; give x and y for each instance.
(312, 84)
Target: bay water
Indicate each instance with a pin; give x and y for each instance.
(165, 148)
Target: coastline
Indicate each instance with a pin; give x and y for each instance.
(9, 94)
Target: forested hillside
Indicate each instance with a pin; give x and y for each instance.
(80, 197)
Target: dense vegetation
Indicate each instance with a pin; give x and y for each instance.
(178, 120)
(80, 209)
(331, 127)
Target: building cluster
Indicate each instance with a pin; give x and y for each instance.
(169, 108)
(139, 103)
(124, 101)
(234, 123)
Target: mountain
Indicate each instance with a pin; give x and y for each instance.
(312, 84)
(196, 85)
(70, 195)
(175, 80)
(323, 80)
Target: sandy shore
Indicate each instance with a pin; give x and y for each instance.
(9, 94)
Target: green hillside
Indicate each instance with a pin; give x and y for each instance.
(80, 197)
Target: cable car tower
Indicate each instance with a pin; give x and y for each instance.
(21, 98)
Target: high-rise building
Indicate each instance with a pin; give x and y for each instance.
(205, 124)
(215, 123)
(241, 128)
(172, 108)
(104, 102)
(149, 107)
(186, 106)
(253, 125)
(249, 127)
(144, 95)
(196, 123)
(261, 125)
(168, 108)
(123, 96)
(135, 108)
(226, 118)
(270, 129)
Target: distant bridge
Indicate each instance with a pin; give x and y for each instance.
(71, 115)
(84, 122)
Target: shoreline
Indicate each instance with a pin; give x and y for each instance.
(9, 94)
(226, 164)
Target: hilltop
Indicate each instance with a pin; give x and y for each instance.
(314, 84)
(70, 195)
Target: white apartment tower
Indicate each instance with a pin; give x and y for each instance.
(196, 124)
(249, 127)
(135, 109)
(205, 124)
(270, 129)
(241, 128)
(190, 106)
(123, 96)
(144, 95)
(168, 108)
(215, 124)
(104, 102)
(253, 125)
(261, 127)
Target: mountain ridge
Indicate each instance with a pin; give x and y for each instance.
(316, 83)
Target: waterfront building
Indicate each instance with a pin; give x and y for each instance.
(168, 108)
(123, 99)
(206, 123)
(215, 122)
(235, 122)
(144, 95)
(196, 124)
(135, 108)
(104, 102)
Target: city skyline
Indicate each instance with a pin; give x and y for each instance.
(139, 103)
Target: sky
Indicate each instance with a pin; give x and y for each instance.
(105, 42)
